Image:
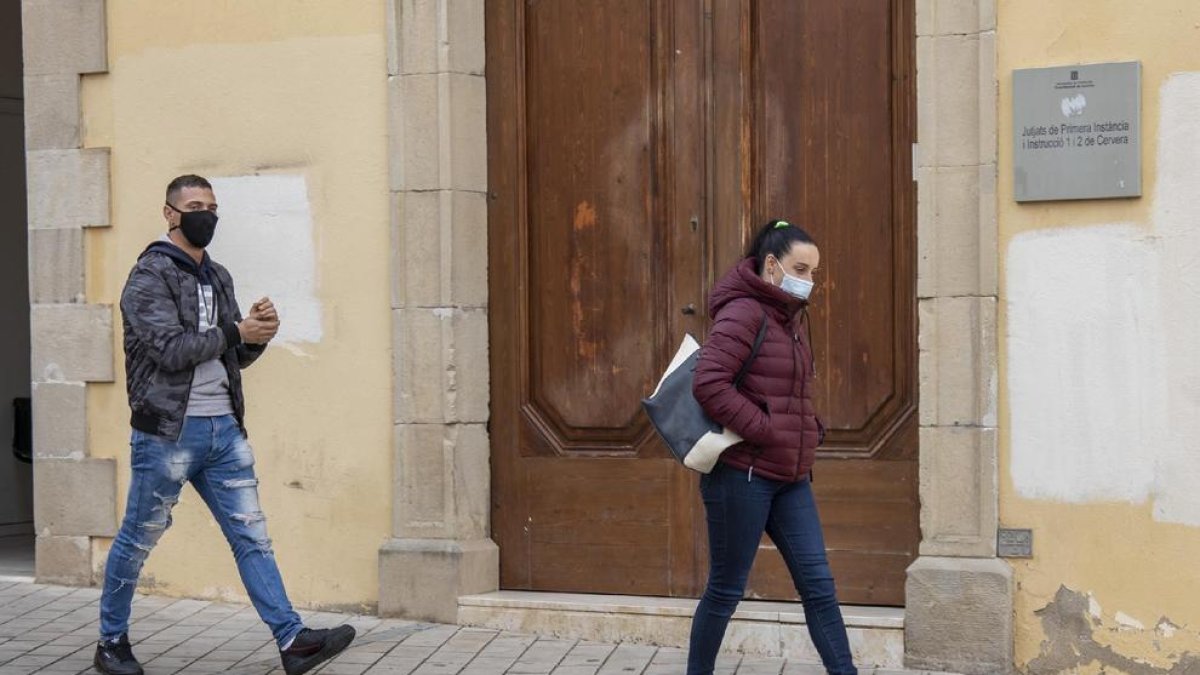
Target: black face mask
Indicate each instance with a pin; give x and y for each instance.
(197, 226)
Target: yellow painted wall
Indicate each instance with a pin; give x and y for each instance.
(1116, 550)
(235, 88)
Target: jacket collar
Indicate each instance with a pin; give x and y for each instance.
(743, 281)
(182, 260)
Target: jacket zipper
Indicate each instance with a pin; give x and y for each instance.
(803, 389)
(795, 346)
(191, 380)
(803, 392)
(750, 472)
(186, 400)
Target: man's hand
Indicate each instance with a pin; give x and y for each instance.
(256, 331)
(264, 310)
(262, 324)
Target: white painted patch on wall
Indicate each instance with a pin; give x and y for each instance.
(1177, 217)
(1104, 376)
(267, 240)
(1085, 374)
(1126, 622)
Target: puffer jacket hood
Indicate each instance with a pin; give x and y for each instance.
(743, 282)
(772, 409)
(202, 270)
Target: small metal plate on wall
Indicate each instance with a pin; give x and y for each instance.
(1077, 132)
(1014, 543)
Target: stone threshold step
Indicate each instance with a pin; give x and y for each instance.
(749, 610)
(758, 627)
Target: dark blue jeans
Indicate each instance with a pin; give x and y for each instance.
(213, 454)
(739, 511)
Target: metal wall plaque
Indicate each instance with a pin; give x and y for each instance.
(1014, 543)
(1077, 132)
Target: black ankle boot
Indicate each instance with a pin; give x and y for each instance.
(116, 658)
(311, 648)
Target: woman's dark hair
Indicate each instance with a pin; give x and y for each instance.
(776, 238)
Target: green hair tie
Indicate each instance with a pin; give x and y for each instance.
(782, 224)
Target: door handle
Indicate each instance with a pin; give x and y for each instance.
(689, 310)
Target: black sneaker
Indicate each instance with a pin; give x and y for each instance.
(116, 658)
(314, 647)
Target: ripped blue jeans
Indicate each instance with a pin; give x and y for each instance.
(213, 454)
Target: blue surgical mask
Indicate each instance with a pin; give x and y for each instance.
(795, 286)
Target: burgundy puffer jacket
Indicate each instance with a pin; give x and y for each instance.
(772, 409)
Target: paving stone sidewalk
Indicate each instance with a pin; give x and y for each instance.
(52, 630)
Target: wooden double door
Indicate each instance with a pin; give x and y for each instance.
(634, 146)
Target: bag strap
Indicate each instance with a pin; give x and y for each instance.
(758, 340)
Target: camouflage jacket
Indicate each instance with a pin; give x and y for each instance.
(163, 344)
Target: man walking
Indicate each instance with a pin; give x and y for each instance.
(186, 344)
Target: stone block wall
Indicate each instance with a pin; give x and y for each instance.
(441, 547)
(959, 594)
(71, 340)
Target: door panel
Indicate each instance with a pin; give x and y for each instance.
(634, 145)
(831, 92)
(590, 132)
(586, 103)
(825, 160)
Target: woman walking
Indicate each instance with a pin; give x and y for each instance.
(763, 484)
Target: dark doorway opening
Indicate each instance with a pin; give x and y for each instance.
(16, 473)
